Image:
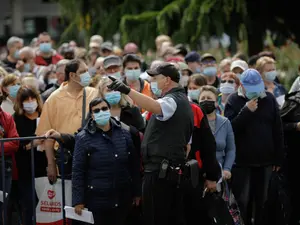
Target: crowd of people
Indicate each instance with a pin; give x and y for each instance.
(131, 129)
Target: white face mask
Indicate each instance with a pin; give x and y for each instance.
(184, 80)
(227, 88)
(30, 107)
(52, 81)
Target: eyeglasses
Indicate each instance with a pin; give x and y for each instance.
(105, 108)
(227, 81)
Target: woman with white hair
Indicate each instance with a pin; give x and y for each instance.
(224, 65)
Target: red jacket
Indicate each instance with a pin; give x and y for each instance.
(39, 60)
(198, 116)
(10, 131)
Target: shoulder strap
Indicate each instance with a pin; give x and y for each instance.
(83, 107)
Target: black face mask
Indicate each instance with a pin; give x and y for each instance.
(208, 106)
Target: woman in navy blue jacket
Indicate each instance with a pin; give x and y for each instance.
(106, 168)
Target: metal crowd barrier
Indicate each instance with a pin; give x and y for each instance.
(4, 208)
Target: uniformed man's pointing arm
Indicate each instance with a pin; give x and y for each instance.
(143, 101)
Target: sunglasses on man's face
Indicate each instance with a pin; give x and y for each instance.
(228, 81)
(105, 108)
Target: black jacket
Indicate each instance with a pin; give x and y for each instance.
(203, 147)
(290, 115)
(132, 117)
(259, 134)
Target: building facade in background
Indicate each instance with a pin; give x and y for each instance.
(27, 18)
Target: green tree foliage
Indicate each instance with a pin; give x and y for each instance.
(141, 21)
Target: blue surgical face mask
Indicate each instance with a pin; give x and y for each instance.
(227, 88)
(194, 94)
(270, 76)
(85, 79)
(113, 97)
(30, 107)
(17, 54)
(116, 75)
(154, 88)
(133, 74)
(102, 118)
(210, 71)
(27, 67)
(13, 90)
(252, 95)
(198, 70)
(45, 47)
(238, 75)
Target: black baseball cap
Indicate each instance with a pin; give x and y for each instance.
(166, 69)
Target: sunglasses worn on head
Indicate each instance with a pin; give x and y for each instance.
(105, 108)
(228, 81)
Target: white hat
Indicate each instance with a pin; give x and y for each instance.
(97, 38)
(240, 64)
(94, 45)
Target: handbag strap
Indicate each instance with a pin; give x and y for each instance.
(83, 107)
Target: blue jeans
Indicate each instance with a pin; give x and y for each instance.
(8, 180)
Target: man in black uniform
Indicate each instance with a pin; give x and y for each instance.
(163, 149)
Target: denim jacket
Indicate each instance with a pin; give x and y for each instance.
(225, 142)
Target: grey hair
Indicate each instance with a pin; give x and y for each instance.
(155, 63)
(27, 50)
(61, 63)
(224, 62)
(13, 40)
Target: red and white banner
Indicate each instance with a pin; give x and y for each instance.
(50, 208)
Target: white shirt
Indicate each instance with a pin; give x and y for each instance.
(168, 108)
(8, 106)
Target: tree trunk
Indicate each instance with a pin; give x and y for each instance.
(255, 38)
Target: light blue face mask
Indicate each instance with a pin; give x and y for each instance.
(154, 88)
(85, 79)
(198, 70)
(210, 71)
(116, 75)
(271, 76)
(27, 67)
(133, 74)
(252, 95)
(238, 75)
(102, 118)
(113, 97)
(194, 94)
(30, 107)
(13, 90)
(45, 47)
(17, 54)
